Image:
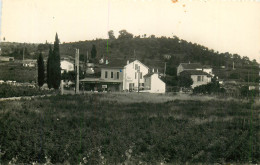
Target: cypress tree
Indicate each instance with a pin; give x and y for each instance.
(93, 51)
(41, 75)
(49, 69)
(56, 64)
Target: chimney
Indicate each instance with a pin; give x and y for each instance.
(153, 70)
(127, 62)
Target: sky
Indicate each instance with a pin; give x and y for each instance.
(223, 25)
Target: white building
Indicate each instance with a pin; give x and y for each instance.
(129, 76)
(153, 83)
(133, 75)
(199, 74)
(66, 66)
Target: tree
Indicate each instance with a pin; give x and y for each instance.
(185, 80)
(123, 34)
(41, 75)
(49, 68)
(56, 64)
(111, 34)
(93, 51)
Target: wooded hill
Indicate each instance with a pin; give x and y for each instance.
(151, 51)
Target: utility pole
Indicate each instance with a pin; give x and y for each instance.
(77, 71)
(23, 54)
(138, 74)
(164, 69)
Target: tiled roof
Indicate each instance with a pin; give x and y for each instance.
(148, 74)
(191, 65)
(195, 72)
(114, 64)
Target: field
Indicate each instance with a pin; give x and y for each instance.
(16, 72)
(116, 128)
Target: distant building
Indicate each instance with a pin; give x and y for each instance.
(66, 66)
(6, 59)
(200, 75)
(29, 63)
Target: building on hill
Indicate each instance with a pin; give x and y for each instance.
(194, 66)
(125, 76)
(66, 66)
(29, 63)
(188, 66)
(198, 77)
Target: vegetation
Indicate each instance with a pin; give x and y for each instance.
(16, 72)
(113, 129)
(210, 88)
(41, 74)
(185, 80)
(53, 66)
(17, 91)
(93, 52)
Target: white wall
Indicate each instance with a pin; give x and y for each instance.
(68, 66)
(157, 85)
(129, 74)
(196, 83)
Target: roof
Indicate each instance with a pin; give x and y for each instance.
(99, 80)
(148, 74)
(195, 72)
(115, 64)
(191, 65)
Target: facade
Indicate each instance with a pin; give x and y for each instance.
(200, 75)
(66, 66)
(133, 75)
(153, 84)
(29, 63)
(129, 76)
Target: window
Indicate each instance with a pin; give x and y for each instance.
(117, 75)
(105, 74)
(199, 78)
(141, 75)
(112, 75)
(135, 75)
(136, 66)
(202, 78)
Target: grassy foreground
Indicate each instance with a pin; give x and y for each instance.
(129, 128)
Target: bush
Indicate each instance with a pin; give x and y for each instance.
(16, 91)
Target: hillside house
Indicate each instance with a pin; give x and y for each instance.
(66, 66)
(129, 76)
(200, 75)
(29, 63)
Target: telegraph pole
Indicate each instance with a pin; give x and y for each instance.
(164, 69)
(77, 71)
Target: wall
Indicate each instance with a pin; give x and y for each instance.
(157, 85)
(129, 74)
(109, 70)
(65, 65)
(206, 80)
